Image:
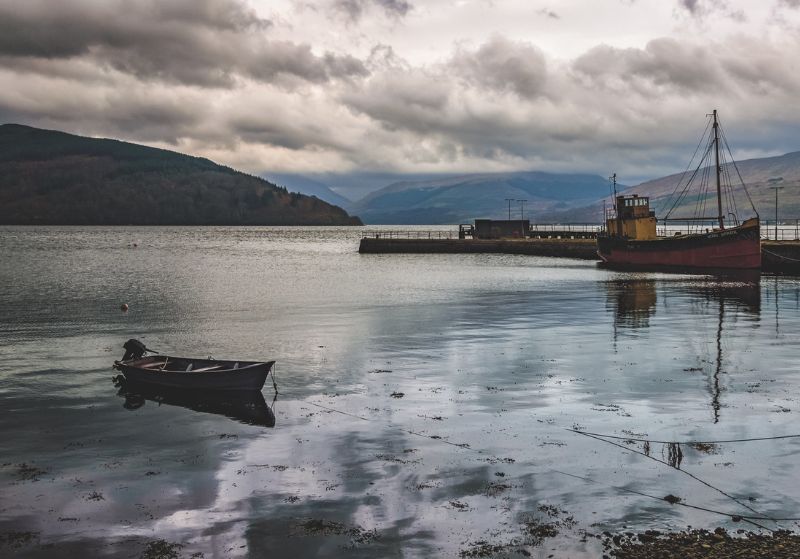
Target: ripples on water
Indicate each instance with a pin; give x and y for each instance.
(495, 356)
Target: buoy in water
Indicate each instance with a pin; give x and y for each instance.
(124, 307)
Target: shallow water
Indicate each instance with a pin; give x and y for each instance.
(425, 401)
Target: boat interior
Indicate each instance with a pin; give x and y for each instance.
(183, 365)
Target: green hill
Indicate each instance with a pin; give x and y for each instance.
(54, 178)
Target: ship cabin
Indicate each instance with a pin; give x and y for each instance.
(634, 219)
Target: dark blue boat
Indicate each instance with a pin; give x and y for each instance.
(189, 373)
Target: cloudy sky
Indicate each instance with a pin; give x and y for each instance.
(416, 86)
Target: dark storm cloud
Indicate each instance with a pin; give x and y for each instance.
(693, 6)
(504, 65)
(134, 111)
(663, 62)
(412, 99)
(353, 10)
(396, 7)
(205, 42)
(699, 9)
(503, 101)
(65, 29)
(668, 65)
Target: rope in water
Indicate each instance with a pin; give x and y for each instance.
(641, 440)
(749, 519)
(684, 472)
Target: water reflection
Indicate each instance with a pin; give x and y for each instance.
(496, 352)
(745, 296)
(634, 302)
(246, 407)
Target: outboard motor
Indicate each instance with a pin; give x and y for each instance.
(134, 349)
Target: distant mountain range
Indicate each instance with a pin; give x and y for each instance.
(553, 197)
(462, 198)
(759, 176)
(309, 187)
(50, 177)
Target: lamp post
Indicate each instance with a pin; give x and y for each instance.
(776, 188)
(509, 200)
(522, 216)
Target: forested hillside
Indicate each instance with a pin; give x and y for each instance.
(50, 177)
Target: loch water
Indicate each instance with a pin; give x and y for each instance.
(428, 406)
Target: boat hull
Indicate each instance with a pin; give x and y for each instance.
(737, 248)
(247, 376)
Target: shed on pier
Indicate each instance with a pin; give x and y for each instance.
(501, 228)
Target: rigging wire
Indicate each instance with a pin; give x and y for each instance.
(730, 198)
(702, 174)
(688, 166)
(683, 193)
(735, 166)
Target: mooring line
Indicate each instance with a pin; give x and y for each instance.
(749, 519)
(691, 475)
(641, 440)
(431, 437)
(779, 255)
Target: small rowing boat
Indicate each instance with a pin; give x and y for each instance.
(189, 373)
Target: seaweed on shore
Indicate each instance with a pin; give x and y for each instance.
(696, 544)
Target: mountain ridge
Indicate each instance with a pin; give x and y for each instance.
(51, 177)
(465, 197)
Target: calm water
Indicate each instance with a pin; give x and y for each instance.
(425, 401)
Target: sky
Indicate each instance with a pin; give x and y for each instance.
(410, 86)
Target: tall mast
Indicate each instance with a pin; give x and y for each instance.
(614, 179)
(716, 158)
(617, 216)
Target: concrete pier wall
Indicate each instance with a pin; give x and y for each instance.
(585, 249)
(782, 257)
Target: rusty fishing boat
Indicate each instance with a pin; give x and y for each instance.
(709, 243)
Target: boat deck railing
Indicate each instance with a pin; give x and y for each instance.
(787, 229)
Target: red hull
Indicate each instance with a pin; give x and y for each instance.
(736, 248)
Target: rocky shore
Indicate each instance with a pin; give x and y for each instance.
(696, 544)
